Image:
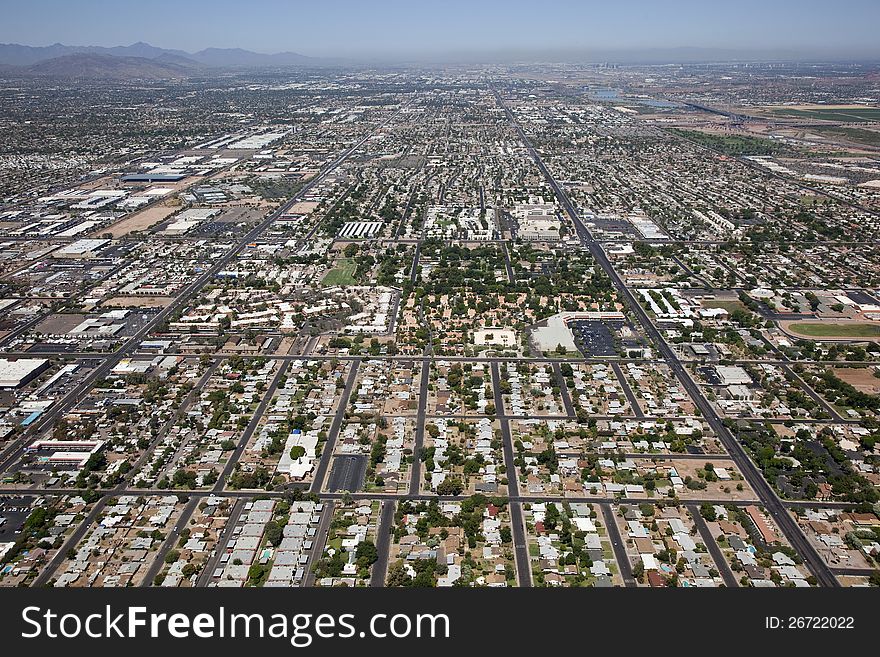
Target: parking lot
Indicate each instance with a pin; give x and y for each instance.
(13, 512)
(594, 338)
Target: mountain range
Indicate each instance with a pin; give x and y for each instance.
(144, 61)
(139, 60)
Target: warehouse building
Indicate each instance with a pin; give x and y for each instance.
(21, 371)
(153, 177)
(189, 219)
(84, 248)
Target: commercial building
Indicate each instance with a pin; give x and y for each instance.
(69, 453)
(84, 248)
(153, 177)
(19, 372)
(189, 219)
(733, 375)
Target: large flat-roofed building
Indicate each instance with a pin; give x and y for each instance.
(540, 227)
(153, 177)
(732, 375)
(70, 453)
(84, 248)
(189, 219)
(19, 372)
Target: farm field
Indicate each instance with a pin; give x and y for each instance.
(849, 114)
(857, 135)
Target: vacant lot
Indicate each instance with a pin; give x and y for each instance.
(137, 302)
(861, 378)
(60, 323)
(140, 220)
(342, 274)
(835, 329)
(303, 207)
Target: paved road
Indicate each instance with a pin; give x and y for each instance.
(280, 493)
(414, 272)
(77, 535)
(78, 393)
(857, 572)
(170, 541)
(715, 551)
(563, 391)
(251, 427)
(383, 543)
(510, 275)
(330, 443)
(517, 522)
(746, 466)
(819, 399)
(569, 358)
(185, 404)
(627, 390)
(618, 546)
(652, 457)
(92, 516)
(416, 471)
(318, 544)
(212, 562)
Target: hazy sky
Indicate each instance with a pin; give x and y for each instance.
(410, 27)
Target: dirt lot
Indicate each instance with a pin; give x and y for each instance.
(240, 214)
(861, 379)
(137, 302)
(713, 490)
(140, 220)
(303, 207)
(60, 323)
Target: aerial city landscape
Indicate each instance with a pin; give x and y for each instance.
(269, 321)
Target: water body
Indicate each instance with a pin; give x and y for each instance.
(605, 94)
(614, 94)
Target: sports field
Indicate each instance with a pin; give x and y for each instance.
(342, 274)
(835, 329)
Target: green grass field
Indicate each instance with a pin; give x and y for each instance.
(836, 329)
(857, 135)
(730, 306)
(734, 145)
(851, 115)
(342, 274)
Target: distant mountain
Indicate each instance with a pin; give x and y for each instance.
(13, 54)
(18, 55)
(108, 67)
(180, 60)
(237, 58)
(139, 49)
